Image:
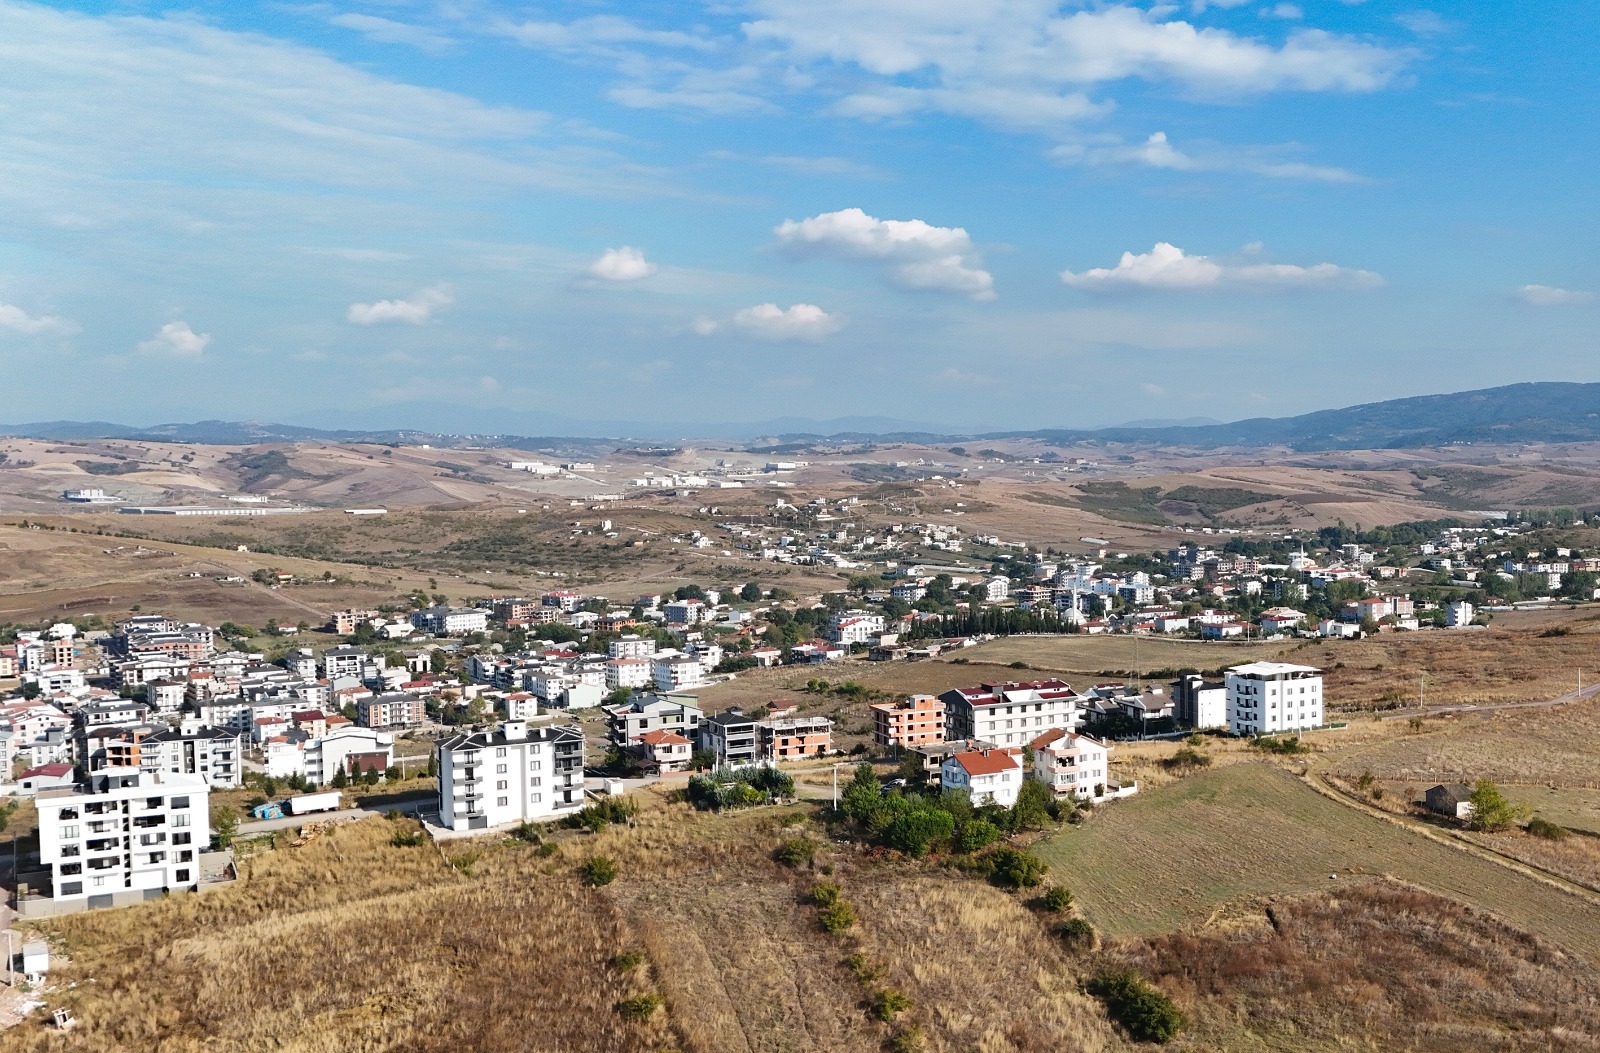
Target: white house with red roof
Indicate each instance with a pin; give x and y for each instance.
(991, 776)
(1011, 714)
(665, 751)
(1072, 764)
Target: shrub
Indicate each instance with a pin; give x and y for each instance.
(1546, 829)
(837, 917)
(888, 1004)
(639, 1007)
(1014, 869)
(1491, 810)
(826, 893)
(407, 838)
(915, 832)
(911, 1039)
(795, 851)
(1145, 1013)
(625, 961)
(863, 968)
(1366, 780)
(1185, 758)
(1057, 899)
(1035, 807)
(528, 833)
(598, 871)
(1077, 933)
(976, 834)
(1283, 745)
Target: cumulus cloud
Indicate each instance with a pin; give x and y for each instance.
(19, 321)
(1157, 151)
(802, 321)
(1168, 267)
(415, 311)
(626, 264)
(918, 255)
(1550, 296)
(176, 340)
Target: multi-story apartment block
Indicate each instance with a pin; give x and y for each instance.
(1268, 697)
(685, 612)
(451, 621)
(910, 722)
(854, 627)
(124, 835)
(629, 672)
(673, 672)
(398, 710)
(341, 662)
(517, 772)
(733, 736)
(1200, 703)
(631, 646)
(653, 712)
(1011, 714)
(791, 737)
(1072, 764)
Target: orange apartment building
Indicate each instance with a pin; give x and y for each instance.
(915, 721)
(791, 737)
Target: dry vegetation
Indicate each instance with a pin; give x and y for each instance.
(1172, 856)
(1374, 966)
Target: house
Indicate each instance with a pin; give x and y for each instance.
(1200, 703)
(847, 628)
(996, 589)
(1010, 714)
(908, 722)
(1072, 764)
(732, 736)
(1268, 697)
(991, 776)
(664, 751)
(520, 771)
(650, 712)
(93, 859)
(1452, 799)
(45, 777)
(1222, 631)
(1279, 620)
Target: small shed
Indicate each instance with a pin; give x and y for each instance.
(35, 958)
(1452, 799)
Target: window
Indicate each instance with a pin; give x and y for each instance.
(180, 820)
(180, 802)
(500, 784)
(69, 850)
(502, 801)
(499, 769)
(69, 832)
(153, 802)
(180, 839)
(533, 798)
(536, 781)
(98, 882)
(72, 888)
(182, 875)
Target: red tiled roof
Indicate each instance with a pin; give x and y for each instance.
(48, 769)
(663, 738)
(987, 762)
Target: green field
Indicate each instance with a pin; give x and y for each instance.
(1174, 855)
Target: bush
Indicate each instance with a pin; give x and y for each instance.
(602, 813)
(837, 917)
(1057, 899)
(1145, 1013)
(1014, 869)
(862, 967)
(1491, 810)
(639, 1007)
(1185, 758)
(1282, 745)
(408, 838)
(1077, 933)
(888, 1004)
(625, 961)
(911, 1039)
(598, 871)
(915, 832)
(1035, 807)
(795, 851)
(826, 893)
(1546, 829)
(976, 834)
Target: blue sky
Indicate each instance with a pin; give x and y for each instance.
(975, 214)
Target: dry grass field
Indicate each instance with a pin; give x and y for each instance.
(1101, 654)
(1375, 965)
(1174, 855)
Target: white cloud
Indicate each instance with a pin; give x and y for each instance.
(626, 264)
(704, 326)
(1284, 11)
(19, 321)
(599, 33)
(1550, 296)
(1157, 151)
(1155, 391)
(918, 254)
(1169, 267)
(822, 166)
(177, 340)
(415, 311)
(802, 321)
(388, 31)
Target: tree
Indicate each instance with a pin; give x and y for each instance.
(1490, 808)
(439, 662)
(862, 796)
(598, 871)
(915, 832)
(1014, 868)
(1032, 810)
(750, 593)
(339, 779)
(225, 821)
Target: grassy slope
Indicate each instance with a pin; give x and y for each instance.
(1176, 854)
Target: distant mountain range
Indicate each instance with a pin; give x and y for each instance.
(1534, 412)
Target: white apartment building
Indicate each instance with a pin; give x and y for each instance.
(214, 754)
(1012, 714)
(333, 752)
(124, 835)
(340, 662)
(1074, 764)
(628, 672)
(631, 646)
(996, 589)
(1200, 703)
(1458, 615)
(451, 621)
(685, 612)
(854, 627)
(627, 722)
(519, 771)
(677, 671)
(1269, 697)
(987, 776)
